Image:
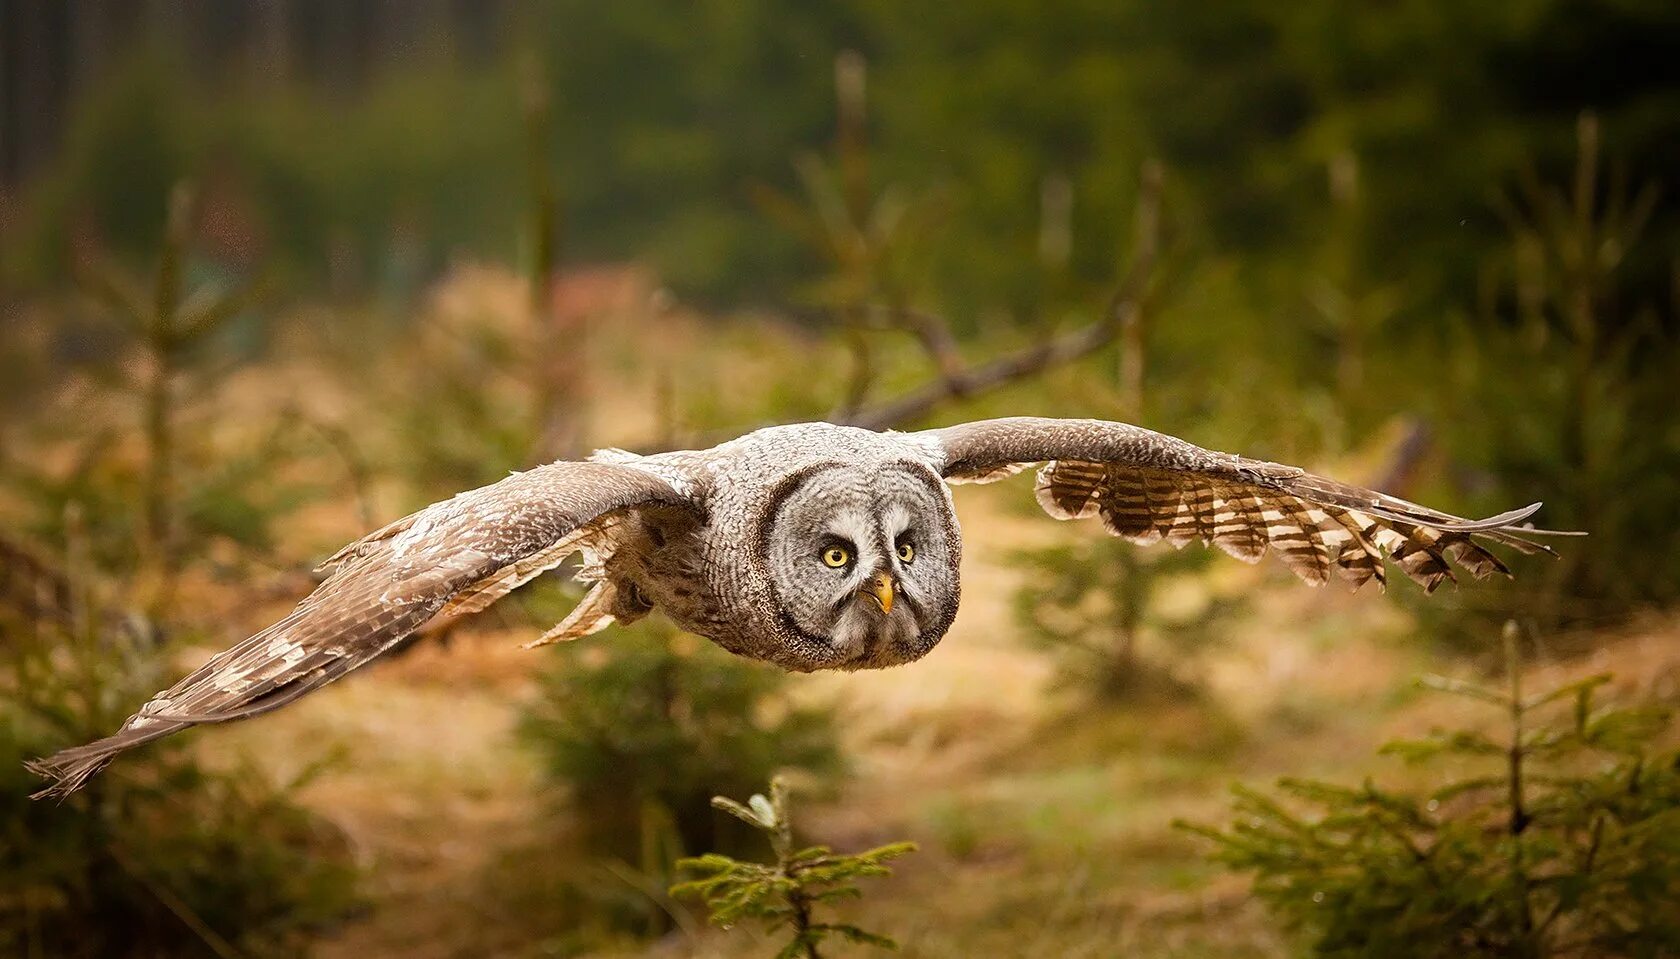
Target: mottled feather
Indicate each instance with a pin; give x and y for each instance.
(384, 587)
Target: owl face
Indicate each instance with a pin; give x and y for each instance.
(864, 562)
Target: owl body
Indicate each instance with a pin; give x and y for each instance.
(810, 546)
(745, 568)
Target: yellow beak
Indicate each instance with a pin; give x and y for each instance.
(881, 587)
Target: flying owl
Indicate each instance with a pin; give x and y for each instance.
(810, 546)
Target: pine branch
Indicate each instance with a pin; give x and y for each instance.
(787, 893)
(1560, 844)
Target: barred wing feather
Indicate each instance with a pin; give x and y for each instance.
(1148, 487)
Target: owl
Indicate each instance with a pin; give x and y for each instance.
(809, 546)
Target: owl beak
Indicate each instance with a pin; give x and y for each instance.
(881, 587)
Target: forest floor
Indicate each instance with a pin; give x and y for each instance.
(1045, 826)
(1044, 822)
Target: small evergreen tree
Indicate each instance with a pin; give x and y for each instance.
(1093, 604)
(1564, 305)
(785, 895)
(1562, 839)
(657, 715)
(162, 856)
(168, 326)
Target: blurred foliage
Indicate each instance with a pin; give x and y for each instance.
(219, 499)
(644, 729)
(1589, 430)
(1123, 622)
(168, 327)
(785, 895)
(1335, 187)
(318, 193)
(161, 857)
(1561, 838)
(473, 420)
(1359, 228)
(162, 354)
(658, 152)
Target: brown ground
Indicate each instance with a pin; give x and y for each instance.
(1044, 827)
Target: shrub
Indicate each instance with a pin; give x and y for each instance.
(163, 334)
(161, 856)
(661, 719)
(1579, 424)
(1094, 603)
(1562, 839)
(786, 894)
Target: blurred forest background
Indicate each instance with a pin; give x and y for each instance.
(273, 273)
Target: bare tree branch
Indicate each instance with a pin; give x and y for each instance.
(968, 382)
(957, 380)
(862, 375)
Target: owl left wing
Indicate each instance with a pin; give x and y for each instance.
(1147, 486)
(450, 558)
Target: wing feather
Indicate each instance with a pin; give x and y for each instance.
(456, 556)
(1147, 486)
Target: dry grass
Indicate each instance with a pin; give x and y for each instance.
(1045, 828)
(1044, 825)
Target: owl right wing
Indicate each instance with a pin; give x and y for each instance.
(1147, 486)
(452, 557)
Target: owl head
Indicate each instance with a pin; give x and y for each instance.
(863, 561)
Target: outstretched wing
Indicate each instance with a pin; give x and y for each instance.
(451, 557)
(1147, 486)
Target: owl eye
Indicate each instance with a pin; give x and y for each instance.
(906, 552)
(835, 557)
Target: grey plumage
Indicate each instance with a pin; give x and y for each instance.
(810, 546)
